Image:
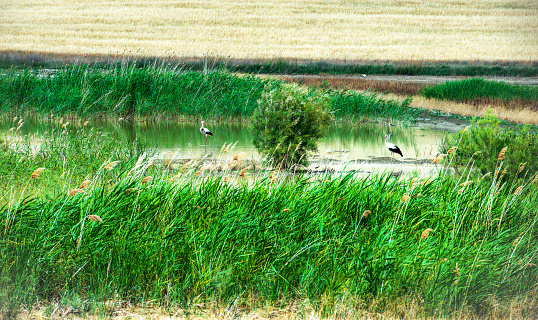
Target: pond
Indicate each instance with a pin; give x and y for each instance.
(360, 144)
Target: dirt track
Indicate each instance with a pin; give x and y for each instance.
(423, 80)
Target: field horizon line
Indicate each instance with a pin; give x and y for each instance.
(37, 59)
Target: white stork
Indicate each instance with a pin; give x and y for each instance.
(390, 127)
(392, 148)
(205, 131)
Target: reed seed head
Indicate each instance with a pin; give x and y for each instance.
(225, 179)
(197, 173)
(94, 217)
(535, 178)
(515, 241)
(366, 213)
(127, 191)
(147, 179)
(286, 210)
(243, 173)
(439, 158)
(457, 270)
(36, 173)
(518, 190)
(223, 147)
(460, 191)
(501, 154)
(521, 167)
(111, 165)
(75, 191)
(405, 198)
(425, 233)
(86, 123)
(451, 150)
(187, 165)
(84, 184)
(465, 130)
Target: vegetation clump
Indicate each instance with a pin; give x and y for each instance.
(483, 142)
(478, 91)
(288, 124)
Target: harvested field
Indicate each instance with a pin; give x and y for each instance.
(439, 30)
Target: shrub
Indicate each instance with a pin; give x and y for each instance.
(485, 139)
(288, 123)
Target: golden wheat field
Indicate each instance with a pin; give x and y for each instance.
(411, 30)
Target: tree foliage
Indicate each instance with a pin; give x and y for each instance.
(288, 123)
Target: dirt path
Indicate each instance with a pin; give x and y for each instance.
(532, 81)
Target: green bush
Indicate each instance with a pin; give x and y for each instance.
(288, 124)
(484, 140)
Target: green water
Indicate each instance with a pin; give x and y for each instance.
(172, 139)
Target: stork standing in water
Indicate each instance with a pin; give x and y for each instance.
(392, 148)
(205, 131)
(390, 127)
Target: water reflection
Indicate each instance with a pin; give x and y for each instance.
(363, 141)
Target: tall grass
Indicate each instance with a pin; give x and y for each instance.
(160, 91)
(130, 91)
(68, 152)
(24, 60)
(478, 90)
(191, 236)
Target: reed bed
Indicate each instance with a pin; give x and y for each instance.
(190, 236)
(160, 90)
(478, 91)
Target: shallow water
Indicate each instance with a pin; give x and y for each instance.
(180, 140)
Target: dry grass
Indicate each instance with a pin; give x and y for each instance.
(355, 83)
(397, 308)
(525, 115)
(437, 30)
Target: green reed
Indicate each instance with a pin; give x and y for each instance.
(156, 91)
(469, 90)
(190, 236)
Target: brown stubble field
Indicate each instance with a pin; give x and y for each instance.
(397, 30)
